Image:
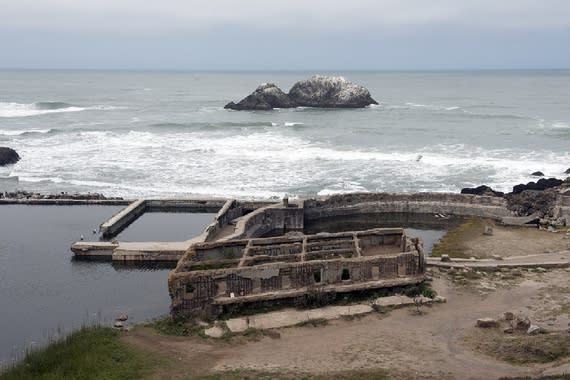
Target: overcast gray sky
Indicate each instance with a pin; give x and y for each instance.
(277, 35)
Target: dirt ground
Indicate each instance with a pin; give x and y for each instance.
(512, 241)
(408, 346)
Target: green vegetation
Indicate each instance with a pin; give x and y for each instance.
(452, 243)
(376, 374)
(89, 353)
(423, 289)
(523, 349)
(177, 325)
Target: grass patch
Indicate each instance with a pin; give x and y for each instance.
(523, 349)
(175, 326)
(452, 243)
(89, 353)
(375, 374)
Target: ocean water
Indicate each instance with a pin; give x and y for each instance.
(166, 134)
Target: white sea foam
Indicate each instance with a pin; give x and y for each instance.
(560, 125)
(293, 124)
(12, 110)
(19, 132)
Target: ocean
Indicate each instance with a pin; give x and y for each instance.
(166, 134)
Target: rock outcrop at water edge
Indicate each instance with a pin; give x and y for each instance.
(8, 156)
(317, 91)
(482, 190)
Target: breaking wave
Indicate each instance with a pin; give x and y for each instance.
(10, 109)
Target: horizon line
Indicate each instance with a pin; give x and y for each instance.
(284, 70)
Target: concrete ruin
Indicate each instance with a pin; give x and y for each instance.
(267, 253)
(238, 264)
(214, 275)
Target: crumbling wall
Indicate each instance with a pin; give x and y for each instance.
(265, 220)
(194, 292)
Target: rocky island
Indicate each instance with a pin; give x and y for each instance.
(8, 156)
(317, 91)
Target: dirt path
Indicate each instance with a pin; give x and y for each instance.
(430, 345)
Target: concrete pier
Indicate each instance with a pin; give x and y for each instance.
(122, 219)
(142, 252)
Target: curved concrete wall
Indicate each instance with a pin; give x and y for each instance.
(417, 203)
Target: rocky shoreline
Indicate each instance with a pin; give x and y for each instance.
(534, 198)
(63, 198)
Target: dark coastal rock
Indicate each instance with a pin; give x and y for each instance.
(22, 195)
(265, 97)
(330, 92)
(482, 190)
(529, 202)
(8, 156)
(538, 174)
(567, 171)
(317, 91)
(541, 184)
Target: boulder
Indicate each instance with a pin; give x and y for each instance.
(541, 184)
(265, 97)
(330, 92)
(482, 190)
(118, 325)
(317, 91)
(508, 316)
(8, 156)
(533, 330)
(214, 332)
(538, 174)
(522, 323)
(487, 322)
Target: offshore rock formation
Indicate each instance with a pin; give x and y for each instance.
(317, 91)
(330, 92)
(265, 97)
(8, 156)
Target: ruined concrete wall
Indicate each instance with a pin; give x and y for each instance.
(194, 292)
(268, 219)
(417, 203)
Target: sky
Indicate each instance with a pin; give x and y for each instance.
(285, 35)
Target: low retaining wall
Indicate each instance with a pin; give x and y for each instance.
(418, 203)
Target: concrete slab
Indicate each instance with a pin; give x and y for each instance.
(398, 301)
(214, 332)
(237, 325)
(277, 319)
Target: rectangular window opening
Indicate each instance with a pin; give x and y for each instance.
(317, 276)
